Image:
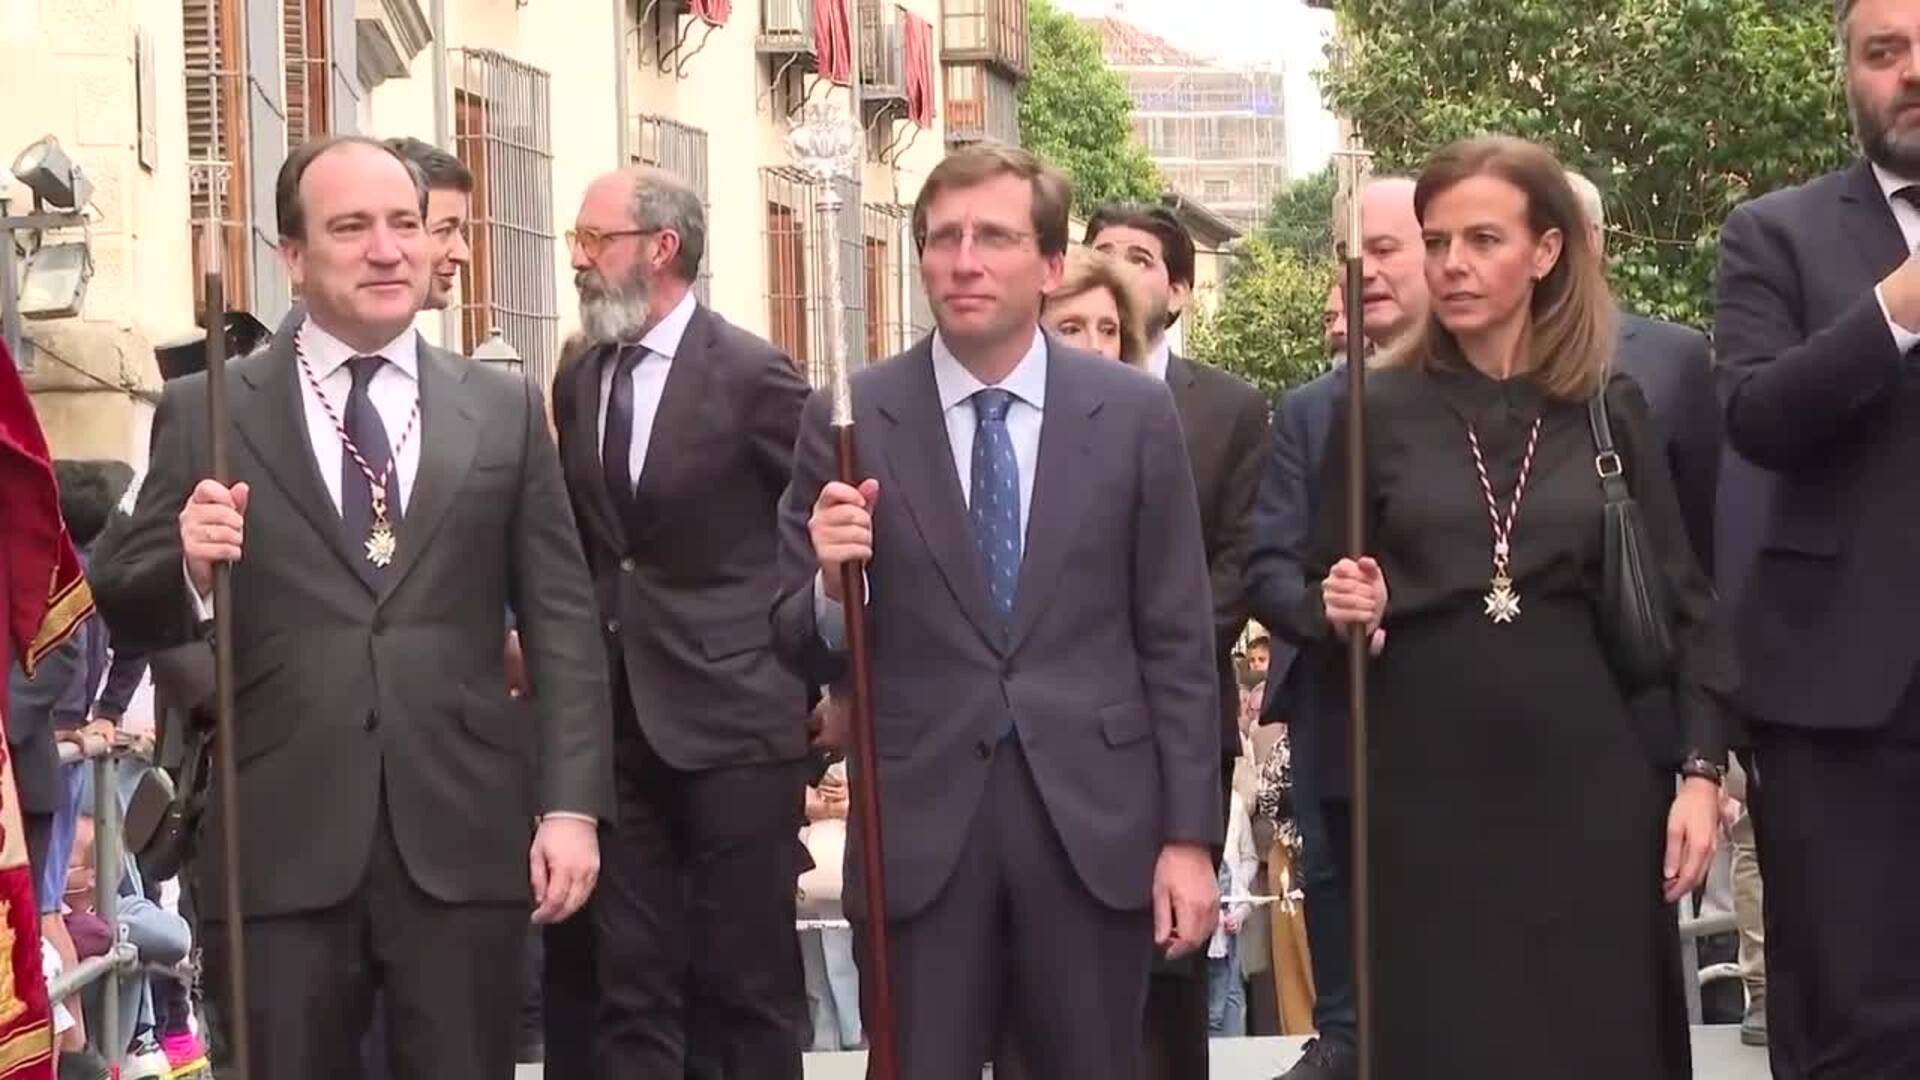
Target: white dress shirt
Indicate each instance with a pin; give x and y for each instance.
(394, 390)
(1160, 359)
(1908, 217)
(661, 343)
(1027, 382)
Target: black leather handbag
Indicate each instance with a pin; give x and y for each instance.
(1636, 614)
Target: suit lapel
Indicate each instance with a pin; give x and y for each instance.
(1870, 220)
(272, 420)
(449, 434)
(921, 456)
(684, 401)
(589, 484)
(1060, 490)
(1185, 386)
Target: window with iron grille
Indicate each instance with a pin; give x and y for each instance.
(894, 295)
(680, 149)
(214, 54)
(796, 269)
(304, 33)
(501, 133)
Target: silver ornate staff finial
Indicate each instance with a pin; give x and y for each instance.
(825, 145)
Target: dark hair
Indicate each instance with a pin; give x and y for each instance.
(1260, 641)
(1842, 11)
(443, 171)
(289, 214)
(1571, 342)
(976, 164)
(1176, 243)
(88, 491)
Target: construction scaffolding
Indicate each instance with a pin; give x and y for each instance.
(1217, 134)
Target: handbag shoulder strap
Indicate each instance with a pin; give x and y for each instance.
(1606, 459)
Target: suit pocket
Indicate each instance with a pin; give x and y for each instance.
(496, 720)
(734, 638)
(1124, 723)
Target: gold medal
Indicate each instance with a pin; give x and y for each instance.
(381, 544)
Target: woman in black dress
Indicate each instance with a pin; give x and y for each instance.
(1528, 841)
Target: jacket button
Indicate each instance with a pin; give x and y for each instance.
(373, 721)
(627, 565)
(613, 626)
(983, 749)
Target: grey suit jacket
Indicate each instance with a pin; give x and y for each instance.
(346, 695)
(1107, 674)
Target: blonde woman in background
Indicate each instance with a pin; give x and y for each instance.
(1098, 307)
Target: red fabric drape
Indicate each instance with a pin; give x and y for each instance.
(46, 600)
(917, 40)
(832, 42)
(713, 12)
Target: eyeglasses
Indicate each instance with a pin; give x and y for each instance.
(593, 241)
(992, 238)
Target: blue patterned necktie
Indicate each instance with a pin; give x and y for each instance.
(995, 500)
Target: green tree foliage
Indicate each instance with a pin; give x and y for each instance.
(1266, 326)
(1077, 114)
(1677, 109)
(1301, 217)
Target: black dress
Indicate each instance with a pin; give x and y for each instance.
(1519, 820)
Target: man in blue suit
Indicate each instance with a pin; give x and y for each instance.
(1304, 687)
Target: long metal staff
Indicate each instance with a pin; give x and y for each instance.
(214, 305)
(825, 145)
(1353, 169)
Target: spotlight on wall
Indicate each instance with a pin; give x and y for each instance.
(55, 283)
(53, 176)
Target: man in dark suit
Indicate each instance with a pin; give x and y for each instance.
(1816, 320)
(677, 430)
(1225, 423)
(395, 500)
(1045, 696)
(1306, 685)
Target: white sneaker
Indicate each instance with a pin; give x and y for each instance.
(146, 1065)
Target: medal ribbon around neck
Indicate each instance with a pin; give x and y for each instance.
(381, 540)
(1503, 603)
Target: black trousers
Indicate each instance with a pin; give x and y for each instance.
(312, 979)
(691, 934)
(1835, 822)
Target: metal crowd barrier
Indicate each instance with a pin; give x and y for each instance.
(120, 959)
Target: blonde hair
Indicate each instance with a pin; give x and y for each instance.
(1570, 340)
(1087, 270)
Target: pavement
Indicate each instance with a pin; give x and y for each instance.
(1717, 1055)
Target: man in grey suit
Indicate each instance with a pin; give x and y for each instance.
(395, 804)
(1042, 649)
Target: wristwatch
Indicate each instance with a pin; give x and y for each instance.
(1696, 766)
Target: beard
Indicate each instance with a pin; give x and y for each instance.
(614, 314)
(1897, 152)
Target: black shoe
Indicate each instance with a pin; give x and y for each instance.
(1324, 1060)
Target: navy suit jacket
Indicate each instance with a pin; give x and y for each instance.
(1823, 402)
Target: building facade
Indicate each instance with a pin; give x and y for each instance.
(1217, 134)
(181, 111)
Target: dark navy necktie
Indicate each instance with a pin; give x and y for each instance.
(616, 445)
(369, 436)
(995, 499)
